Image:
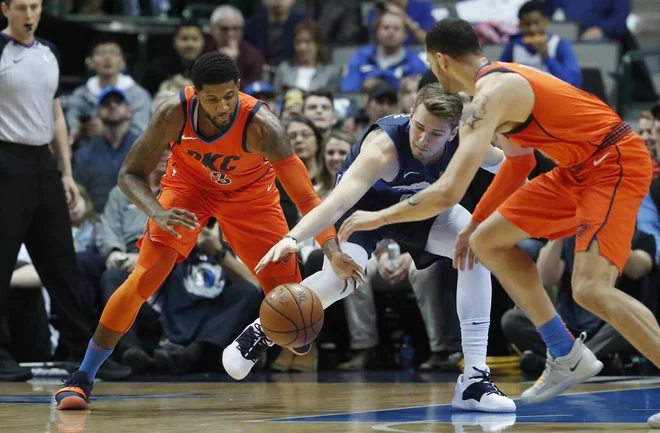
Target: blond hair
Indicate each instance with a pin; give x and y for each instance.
(439, 103)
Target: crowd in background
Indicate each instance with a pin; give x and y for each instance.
(283, 59)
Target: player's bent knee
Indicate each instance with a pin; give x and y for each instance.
(590, 294)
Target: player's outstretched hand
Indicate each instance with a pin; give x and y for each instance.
(462, 251)
(360, 221)
(282, 248)
(168, 219)
(347, 270)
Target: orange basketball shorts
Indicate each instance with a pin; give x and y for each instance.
(251, 221)
(597, 201)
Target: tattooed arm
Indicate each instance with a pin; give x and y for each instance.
(165, 126)
(500, 101)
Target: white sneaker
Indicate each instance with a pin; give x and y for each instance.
(240, 356)
(479, 393)
(562, 373)
(489, 422)
(654, 421)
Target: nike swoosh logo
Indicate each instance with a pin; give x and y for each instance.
(269, 187)
(598, 161)
(479, 323)
(17, 60)
(405, 175)
(185, 137)
(578, 363)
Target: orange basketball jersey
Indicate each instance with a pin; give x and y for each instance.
(567, 124)
(220, 163)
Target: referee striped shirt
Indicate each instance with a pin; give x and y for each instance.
(29, 81)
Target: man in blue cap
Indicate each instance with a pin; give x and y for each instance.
(107, 152)
(265, 92)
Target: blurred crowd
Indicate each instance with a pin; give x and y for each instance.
(283, 59)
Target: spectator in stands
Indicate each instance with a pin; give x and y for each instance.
(206, 301)
(84, 222)
(383, 100)
(416, 15)
(107, 61)
(271, 31)
(598, 19)
(318, 106)
(431, 291)
(306, 140)
(188, 45)
(649, 130)
(292, 104)
(408, 93)
(340, 21)
(264, 92)
(388, 58)
(227, 25)
(539, 49)
(169, 87)
(310, 69)
(555, 263)
(97, 185)
(108, 151)
(334, 151)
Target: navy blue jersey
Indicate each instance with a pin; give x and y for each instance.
(413, 175)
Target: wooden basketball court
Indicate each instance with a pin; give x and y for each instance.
(324, 402)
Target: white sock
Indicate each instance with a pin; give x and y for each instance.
(326, 284)
(473, 300)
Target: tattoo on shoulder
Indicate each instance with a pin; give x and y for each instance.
(269, 133)
(476, 111)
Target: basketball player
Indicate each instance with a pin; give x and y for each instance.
(603, 173)
(400, 155)
(227, 148)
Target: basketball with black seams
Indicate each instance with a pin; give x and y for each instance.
(291, 315)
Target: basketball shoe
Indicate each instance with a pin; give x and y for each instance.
(243, 353)
(654, 421)
(562, 373)
(478, 393)
(75, 393)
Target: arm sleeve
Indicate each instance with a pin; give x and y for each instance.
(294, 177)
(565, 66)
(509, 178)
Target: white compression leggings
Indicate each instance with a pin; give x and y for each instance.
(474, 291)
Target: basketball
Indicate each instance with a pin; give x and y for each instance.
(291, 315)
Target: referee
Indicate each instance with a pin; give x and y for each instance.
(35, 187)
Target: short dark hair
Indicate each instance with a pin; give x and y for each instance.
(214, 68)
(188, 23)
(104, 40)
(321, 93)
(532, 6)
(454, 37)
